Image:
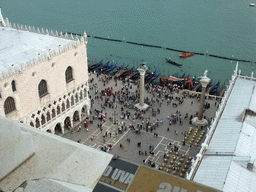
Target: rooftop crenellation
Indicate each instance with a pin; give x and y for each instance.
(18, 67)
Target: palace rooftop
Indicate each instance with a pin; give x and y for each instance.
(18, 46)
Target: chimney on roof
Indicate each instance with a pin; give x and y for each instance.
(2, 19)
(249, 166)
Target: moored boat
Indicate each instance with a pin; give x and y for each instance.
(135, 76)
(121, 67)
(99, 70)
(172, 62)
(214, 90)
(92, 67)
(150, 75)
(156, 75)
(186, 54)
(111, 68)
(175, 74)
(125, 73)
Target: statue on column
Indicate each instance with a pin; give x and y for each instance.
(205, 73)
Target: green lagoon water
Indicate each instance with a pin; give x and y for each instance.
(225, 28)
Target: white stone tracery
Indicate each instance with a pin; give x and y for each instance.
(52, 108)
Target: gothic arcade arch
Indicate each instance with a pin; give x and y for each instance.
(63, 107)
(67, 104)
(67, 122)
(53, 113)
(72, 100)
(31, 124)
(58, 110)
(37, 123)
(58, 129)
(48, 116)
(76, 117)
(43, 119)
(76, 98)
(81, 95)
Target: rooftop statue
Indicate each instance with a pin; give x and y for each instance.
(205, 73)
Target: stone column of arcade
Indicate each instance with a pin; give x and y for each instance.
(199, 121)
(141, 105)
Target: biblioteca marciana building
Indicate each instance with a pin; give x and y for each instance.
(43, 76)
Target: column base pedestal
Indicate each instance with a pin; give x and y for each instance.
(141, 107)
(197, 122)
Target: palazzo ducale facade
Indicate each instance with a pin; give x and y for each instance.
(43, 77)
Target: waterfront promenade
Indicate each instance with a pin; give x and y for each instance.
(154, 137)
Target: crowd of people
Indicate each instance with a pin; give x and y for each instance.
(120, 97)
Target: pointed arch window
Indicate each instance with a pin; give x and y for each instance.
(13, 86)
(76, 98)
(53, 113)
(48, 117)
(63, 106)
(37, 123)
(42, 88)
(58, 110)
(68, 104)
(42, 119)
(9, 105)
(72, 100)
(69, 74)
(81, 95)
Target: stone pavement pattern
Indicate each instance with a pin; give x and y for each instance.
(130, 152)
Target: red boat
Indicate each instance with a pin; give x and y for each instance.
(186, 54)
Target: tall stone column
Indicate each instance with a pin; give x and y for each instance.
(199, 121)
(201, 108)
(142, 70)
(142, 85)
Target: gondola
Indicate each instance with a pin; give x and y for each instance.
(95, 65)
(183, 76)
(175, 74)
(121, 67)
(113, 72)
(150, 75)
(125, 73)
(126, 67)
(118, 69)
(155, 76)
(103, 66)
(214, 90)
(131, 73)
(172, 62)
(111, 68)
(108, 66)
(135, 76)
